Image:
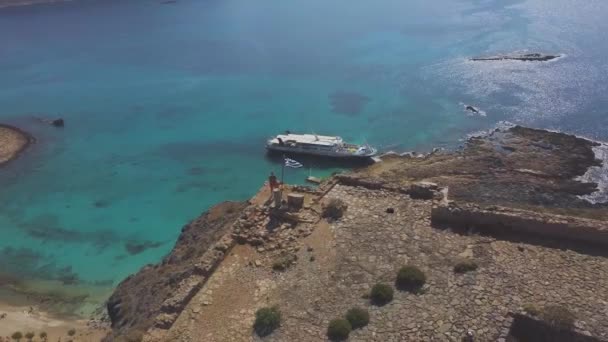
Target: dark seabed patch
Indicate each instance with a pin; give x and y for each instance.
(47, 228)
(202, 170)
(174, 113)
(136, 247)
(196, 171)
(29, 264)
(192, 152)
(347, 102)
(101, 203)
(199, 185)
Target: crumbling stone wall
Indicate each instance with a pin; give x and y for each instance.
(530, 329)
(495, 218)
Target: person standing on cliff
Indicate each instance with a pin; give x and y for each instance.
(272, 182)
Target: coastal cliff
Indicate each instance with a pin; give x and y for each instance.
(483, 204)
(138, 300)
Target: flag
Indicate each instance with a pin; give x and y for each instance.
(292, 163)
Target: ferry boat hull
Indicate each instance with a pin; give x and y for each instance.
(328, 154)
(319, 146)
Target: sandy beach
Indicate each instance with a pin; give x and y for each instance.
(27, 319)
(12, 142)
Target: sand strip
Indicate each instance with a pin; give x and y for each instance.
(13, 141)
(27, 319)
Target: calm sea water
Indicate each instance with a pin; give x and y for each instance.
(168, 106)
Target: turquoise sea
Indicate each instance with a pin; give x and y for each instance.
(167, 106)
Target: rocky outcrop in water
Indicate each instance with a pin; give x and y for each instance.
(528, 57)
(58, 122)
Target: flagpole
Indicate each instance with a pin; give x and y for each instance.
(282, 169)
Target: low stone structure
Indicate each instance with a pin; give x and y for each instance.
(508, 220)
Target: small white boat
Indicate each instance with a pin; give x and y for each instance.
(319, 145)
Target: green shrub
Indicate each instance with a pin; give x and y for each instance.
(357, 317)
(30, 335)
(334, 209)
(71, 332)
(267, 320)
(17, 336)
(558, 317)
(381, 294)
(43, 336)
(338, 329)
(410, 278)
(531, 309)
(465, 266)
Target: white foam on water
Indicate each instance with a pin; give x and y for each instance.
(500, 125)
(599, 175)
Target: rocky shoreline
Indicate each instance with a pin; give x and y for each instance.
(326, 265)
(13, 141)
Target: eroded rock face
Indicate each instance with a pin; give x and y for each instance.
(153, 296)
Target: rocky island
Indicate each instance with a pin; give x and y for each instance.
(13, 141)
(527, 57)
(494, 242)
(11, 3)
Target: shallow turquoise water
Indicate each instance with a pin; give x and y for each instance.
(168, 106)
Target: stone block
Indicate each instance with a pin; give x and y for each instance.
(295, 201)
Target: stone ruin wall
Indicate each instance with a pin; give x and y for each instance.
(506, 220)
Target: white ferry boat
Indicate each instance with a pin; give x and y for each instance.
(318, 145)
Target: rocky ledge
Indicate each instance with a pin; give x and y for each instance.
(518, 167)
(13, 141)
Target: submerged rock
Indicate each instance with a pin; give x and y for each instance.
(472, 109)
(58, 122)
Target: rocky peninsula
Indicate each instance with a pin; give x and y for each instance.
(13, 141)
(467, 220)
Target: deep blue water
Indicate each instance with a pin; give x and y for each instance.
(168, 106)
